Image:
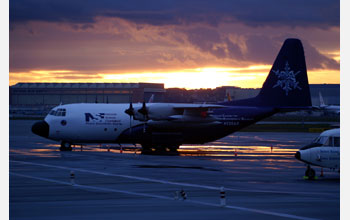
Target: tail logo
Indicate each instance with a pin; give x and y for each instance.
(286, 79)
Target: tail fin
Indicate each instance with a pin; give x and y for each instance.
(287, 83)
(151, 99)
(286, 86)
(228, 97)
(322, 104)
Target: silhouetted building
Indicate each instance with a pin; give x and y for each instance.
(39, 98)
(52, 94)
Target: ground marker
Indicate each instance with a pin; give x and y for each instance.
(222, 197)
(72, 176)
(183, 194)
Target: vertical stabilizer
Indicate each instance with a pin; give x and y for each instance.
(287, 83)
(321, 100)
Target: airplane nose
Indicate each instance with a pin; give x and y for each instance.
(41, 128)
(297, 155)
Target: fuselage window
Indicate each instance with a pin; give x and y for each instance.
(336, 141)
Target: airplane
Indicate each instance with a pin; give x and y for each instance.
(327, 109)
(324, 151)
(165, 126)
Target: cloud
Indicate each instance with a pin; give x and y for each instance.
(181, 12)
(318, 60)
(114, 44)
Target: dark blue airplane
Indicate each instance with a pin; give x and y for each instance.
(168, 125)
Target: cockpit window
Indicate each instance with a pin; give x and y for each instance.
(328, 141)
(58, 112)
(321, 140)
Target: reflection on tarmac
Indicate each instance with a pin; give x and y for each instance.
(47, 150)
(273, 151)
(280, 156)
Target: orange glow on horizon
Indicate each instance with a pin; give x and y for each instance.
(208, 77)
(196, 78)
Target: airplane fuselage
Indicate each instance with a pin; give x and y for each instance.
(108, 123)
(324, 151)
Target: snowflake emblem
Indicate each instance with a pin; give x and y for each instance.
(286, 79)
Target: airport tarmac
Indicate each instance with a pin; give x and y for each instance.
(260, 176)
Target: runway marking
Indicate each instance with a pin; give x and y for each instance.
(162, 197)
(174, 183)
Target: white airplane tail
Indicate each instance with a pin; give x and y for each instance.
(322, 104)
(151, 99)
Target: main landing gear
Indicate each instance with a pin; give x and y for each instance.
(65, 146)
(160, 150)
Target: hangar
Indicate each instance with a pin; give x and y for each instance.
(52, 94)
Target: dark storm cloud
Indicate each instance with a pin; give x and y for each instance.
(321, 13)
(259, 48)
(316, 60)
(206, 39)
(198, 32)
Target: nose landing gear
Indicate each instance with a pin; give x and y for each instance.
(310, 173)
(65, 146)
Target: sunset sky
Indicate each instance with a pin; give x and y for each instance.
(181, 43)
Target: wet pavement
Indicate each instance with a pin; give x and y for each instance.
(260, 176)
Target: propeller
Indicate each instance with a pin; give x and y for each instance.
(130, 112)
(144, 112)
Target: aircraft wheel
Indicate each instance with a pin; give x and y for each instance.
(173, 148)
(65, 146)
(160, 149)
(146, 148)
(310, 173)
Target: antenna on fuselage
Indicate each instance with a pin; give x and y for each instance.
(144, 112)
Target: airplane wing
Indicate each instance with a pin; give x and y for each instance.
(171, 111)
(194, 112)
(199, 107)
(201, 110)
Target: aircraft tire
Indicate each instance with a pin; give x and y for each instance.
(146, 148)
(310, 173)
(160, 149)
(65, 146)
(173, 148)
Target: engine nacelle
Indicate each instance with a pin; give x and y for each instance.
(159, 111)
(155, 111)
